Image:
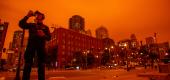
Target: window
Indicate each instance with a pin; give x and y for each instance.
(1, 27)
(64, 34)
(68, 42)
(64, 41)
(63, 46)
(63, 53)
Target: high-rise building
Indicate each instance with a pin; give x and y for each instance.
(16, 43)
(77, 23)
(134, 42)
(3, 31)
(163, 49)
(126, 43)
(101, 33)
(133, 37)
(108, 43)
(69, 41)
(149, 40)
(15, 46)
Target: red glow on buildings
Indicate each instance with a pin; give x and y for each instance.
(68, 42)
(3, 31)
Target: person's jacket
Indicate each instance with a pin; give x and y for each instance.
(34, 39)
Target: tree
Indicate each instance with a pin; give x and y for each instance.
(105, 57)
(51, 57)
(79, 58)
(90, 59)
(153, 56)
(143, 54)
(122, 55)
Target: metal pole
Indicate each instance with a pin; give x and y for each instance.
(127, 59)
(17, 77)
(86, 60)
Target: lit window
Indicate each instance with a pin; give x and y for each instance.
(63, 46)
(63, 53)
(64, 34)
(63, 41)
(1, 28)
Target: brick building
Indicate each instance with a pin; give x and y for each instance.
(65, 42)
(3, 31)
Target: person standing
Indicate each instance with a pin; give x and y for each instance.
(38, 35)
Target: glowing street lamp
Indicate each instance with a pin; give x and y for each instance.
(112, 47)
(125, 45)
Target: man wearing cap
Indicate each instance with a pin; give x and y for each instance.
(38, 35)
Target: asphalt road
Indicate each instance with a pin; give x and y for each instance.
(92, 74)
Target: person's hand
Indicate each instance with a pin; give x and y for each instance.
(30, 13)
(40, 33)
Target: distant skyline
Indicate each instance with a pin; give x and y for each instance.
(121, 17)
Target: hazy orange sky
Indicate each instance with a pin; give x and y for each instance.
(120, 17)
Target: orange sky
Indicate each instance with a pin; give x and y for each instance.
(120, 17)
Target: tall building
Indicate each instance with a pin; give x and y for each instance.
(134, 42)
(108, 43)
(126, 43)
(69, 41)
(133, 37)
(101, 33)
(17, 37)
(3, 31)
(77, 23)
(149, 40)
(15, 46)
(163, 49)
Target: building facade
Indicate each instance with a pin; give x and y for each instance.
(3, 31)
(163, 49)
(77, 23)
(17, 37)
(68, 42)
(134, 41)
(15, 46)
(108, 43)
(149, 40)
(101, 33)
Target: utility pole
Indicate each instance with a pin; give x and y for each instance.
(17, 77)
(126, 53)
(127, 59)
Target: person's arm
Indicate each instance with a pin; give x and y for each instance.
(23, 22)
(44, 33)
(47, 34)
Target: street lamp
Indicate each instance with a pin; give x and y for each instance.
(125, 45)
(53, 45)
(112, 47)
(85, 53)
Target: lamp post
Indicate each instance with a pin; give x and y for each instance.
(88, 51)
(126, 53)
(54, 47)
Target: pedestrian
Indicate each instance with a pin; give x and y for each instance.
(38, 35)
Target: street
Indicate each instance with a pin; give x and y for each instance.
(91, 74)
